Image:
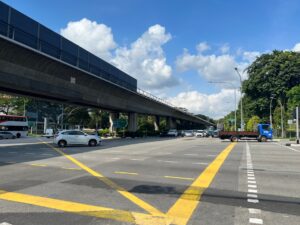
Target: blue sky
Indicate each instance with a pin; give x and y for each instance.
(239, 28)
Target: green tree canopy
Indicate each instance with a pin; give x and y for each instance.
(252, 123)
(274, 73)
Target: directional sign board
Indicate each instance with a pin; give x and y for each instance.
(120, 123)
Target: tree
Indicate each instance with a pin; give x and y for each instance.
(252, 123)
(294, 97)
(12, 104)
(275, 73)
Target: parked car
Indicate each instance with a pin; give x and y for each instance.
(49, 133)
(188, 133)
(200, 133)
(76, 137)
(6, 135)
(172, 133)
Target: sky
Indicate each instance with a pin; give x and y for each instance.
(182, 51)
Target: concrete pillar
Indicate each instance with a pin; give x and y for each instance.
(112, 118)
(156, 123)
(171, 123)
(132, 122)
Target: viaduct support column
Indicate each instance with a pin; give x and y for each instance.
(156, 123)
(171, 123)
(132, 122)
(113, 117)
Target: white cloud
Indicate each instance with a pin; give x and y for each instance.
(218, 68)
(94, 37)
(202, 47)
(296, 48)
(225, 48)
(145, 59)
(214, 105)
(250, 56)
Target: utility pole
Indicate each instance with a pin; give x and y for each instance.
(271, 123)
(281, 115)
(297, 124)
(242, 120)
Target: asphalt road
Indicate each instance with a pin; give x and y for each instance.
(149, 181)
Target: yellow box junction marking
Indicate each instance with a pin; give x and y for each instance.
(40, 165)
(84, 209)
(144, 205)
(184, 207)
(178, 214)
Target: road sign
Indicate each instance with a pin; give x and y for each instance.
(120, 123)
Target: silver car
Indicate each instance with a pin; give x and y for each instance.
(6, 135)
(76, 137)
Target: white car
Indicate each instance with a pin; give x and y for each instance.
(200, 133)
(76, 137)
(172, 132)
(188, 133)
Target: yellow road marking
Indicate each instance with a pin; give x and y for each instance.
(144, 205)
(84, 209)
(184, 207)
(127, 173)
(180, 178)
(40, 165)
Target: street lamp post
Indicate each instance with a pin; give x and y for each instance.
(224, 82)
(242, 120)
(271, 123)
(281, 115)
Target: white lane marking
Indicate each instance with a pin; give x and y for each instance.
(251, 178)
(254, 211)
(137, 159)
(5, 223)
(251, 195)
(251, 181)
(166, 161)
(255, 221)
(252, 190)
(200, 163)
(45, 154)
(211, 155)
(250, 200)
(191, 154)
(295, 150)
(115, 158)
(18, 144)
(252, 186)
(250, 175)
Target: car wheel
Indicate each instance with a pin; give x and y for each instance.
(18, 135)
(263, 139)
(62, 143)
(92, 143)
(233, 139)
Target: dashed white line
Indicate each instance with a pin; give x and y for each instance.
(251, 178)
(255, 221)
(253, 200)
(191, 154)
(254, 211)
(137, 159)
(252, 186)
(251, 181)
(168, 161)
(252, 190)
(251, 195)
(200, 163)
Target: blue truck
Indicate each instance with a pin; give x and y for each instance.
(262, 134)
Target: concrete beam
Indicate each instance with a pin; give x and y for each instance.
(25, 71)
(132, 122)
